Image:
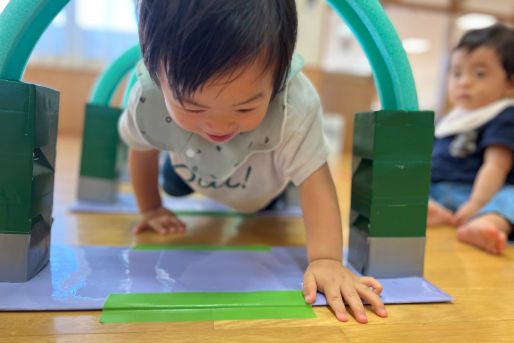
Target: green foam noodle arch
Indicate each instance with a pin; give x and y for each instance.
(109, 80)
(393, 76)
(22, 22)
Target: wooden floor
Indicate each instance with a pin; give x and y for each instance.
(482, 285)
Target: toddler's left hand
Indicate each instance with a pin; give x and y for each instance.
(338, 283)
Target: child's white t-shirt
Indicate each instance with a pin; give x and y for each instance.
(251, 169)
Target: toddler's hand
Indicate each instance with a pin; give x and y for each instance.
(160, 220)
(465, 212)
(338, 283)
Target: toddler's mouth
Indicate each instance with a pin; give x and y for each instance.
(220, 138)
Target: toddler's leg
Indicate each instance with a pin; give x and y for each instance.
(172, 183)
(438, 215)
(488, 232)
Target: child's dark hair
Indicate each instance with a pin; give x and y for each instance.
(195, 40)
(498, 37)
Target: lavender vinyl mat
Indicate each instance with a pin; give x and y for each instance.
(81, 277)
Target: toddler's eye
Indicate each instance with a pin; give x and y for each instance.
(245, 110)
(480, 73)
(194, 111)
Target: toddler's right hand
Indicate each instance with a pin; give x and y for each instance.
(160, 220)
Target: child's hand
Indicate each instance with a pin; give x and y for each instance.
(160, 220)
(338, 283)
(465, 212)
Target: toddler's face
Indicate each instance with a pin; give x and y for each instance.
(223, 106)
(477, 78)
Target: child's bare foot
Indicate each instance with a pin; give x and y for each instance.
(488, 232)
(438, 215)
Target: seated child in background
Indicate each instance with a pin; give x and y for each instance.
(472, 169)
(221, 92)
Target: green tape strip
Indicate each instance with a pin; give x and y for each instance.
(201, 247)
(197, 306)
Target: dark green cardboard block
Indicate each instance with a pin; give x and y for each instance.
(398, 220)
(398, 135)
(28, 135)
(101, 154)
(100, 142)
(389, 182)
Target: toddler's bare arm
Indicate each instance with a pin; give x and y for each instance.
(491, 176)
(144, 173)
(326, 272)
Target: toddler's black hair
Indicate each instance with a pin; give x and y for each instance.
(499, 37)
(195, 40)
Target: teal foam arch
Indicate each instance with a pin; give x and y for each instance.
(23, 21)
(130, 83)
(378, 38)
(112, 76)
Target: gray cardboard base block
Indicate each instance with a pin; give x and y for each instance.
(22, 256)
(386, 257)
(97, 189)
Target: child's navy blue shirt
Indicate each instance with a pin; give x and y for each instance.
(458, 158)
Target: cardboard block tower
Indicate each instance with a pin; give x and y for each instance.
(28, 133)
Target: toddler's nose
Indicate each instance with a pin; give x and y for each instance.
(464, 80)
(222, 124)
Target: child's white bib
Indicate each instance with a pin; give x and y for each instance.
(460, 120)
(209, 160)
